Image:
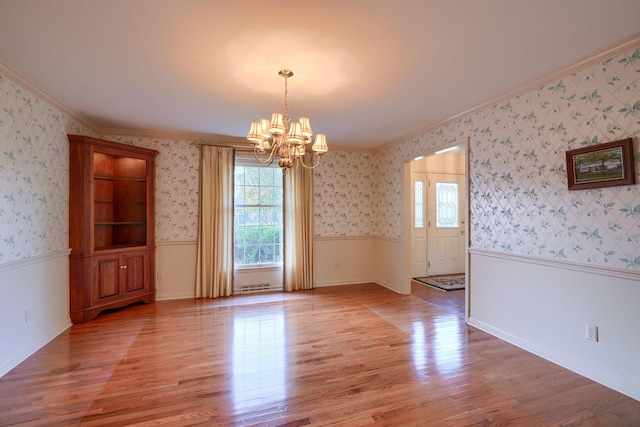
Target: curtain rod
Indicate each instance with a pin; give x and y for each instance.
(238, 147)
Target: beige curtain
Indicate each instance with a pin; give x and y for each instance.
(298, 229)
(214, 275)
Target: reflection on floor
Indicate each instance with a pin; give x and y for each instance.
(452, 301)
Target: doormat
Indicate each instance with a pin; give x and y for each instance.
(446, 283)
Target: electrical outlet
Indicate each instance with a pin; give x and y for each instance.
(160, 277)
(27, 316)
(337, 266)
(592, 333)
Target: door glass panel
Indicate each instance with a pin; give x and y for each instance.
(419, 204)
(447, 205)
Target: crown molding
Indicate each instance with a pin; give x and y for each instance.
(43, 94)
(207, 138)
(624, 45)
(363, 150)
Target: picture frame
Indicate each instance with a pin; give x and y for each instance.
(603, 165)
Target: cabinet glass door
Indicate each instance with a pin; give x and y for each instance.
(120, 195)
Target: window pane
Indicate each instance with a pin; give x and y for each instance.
(447, 205)
(251, 254)
(238, 237)
(238, 177)
(277, 192)
(266, 254)
(252, 176)
(266, 235)
(278, 253)
(252, 235)
(419, 204)
(239, 216)
(238, 254)
(251, 195)
(252, 215)
(266, 176)
(267, 195)
(238, 195)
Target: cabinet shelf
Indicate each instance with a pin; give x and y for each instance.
(119, 223)
(140, 202)
(106, 177)
(112, 247)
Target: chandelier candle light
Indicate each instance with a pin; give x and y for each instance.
(271, 137)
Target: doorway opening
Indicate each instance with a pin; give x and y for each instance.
(435, 225)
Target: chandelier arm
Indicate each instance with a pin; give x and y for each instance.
(314, 164)
(260, 159)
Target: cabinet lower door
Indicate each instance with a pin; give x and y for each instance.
(106, 279)
(136, 273)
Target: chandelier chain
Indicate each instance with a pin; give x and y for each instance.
(286, 103)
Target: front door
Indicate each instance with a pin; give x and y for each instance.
(446, 223)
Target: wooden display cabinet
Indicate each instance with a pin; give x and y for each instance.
(111, 226)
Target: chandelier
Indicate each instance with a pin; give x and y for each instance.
(288, 139)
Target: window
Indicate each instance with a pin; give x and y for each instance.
(419, 204)
(447, 205)
(258, 213)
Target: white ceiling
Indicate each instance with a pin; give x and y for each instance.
(367, 72)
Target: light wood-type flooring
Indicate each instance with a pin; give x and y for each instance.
(341, 356)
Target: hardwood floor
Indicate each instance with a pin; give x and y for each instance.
(349, 356)
(452, 301)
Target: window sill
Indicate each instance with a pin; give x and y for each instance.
(258, 267)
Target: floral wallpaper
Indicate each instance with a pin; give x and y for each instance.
(345, 195)
(34, 170)
(519, 197)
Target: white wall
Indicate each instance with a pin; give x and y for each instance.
(258, 276)
(343, 260)
(34, 301)
(176, 270)
(544, 306)
(387, 264)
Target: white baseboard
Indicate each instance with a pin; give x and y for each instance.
(342, 283)
(49, 335)
(586, 371)
(388, 286)
(169, 297)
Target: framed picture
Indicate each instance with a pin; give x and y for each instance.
(602, 165)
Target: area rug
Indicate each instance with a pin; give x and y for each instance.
(446, 283)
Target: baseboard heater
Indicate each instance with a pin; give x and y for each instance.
(255, 287)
